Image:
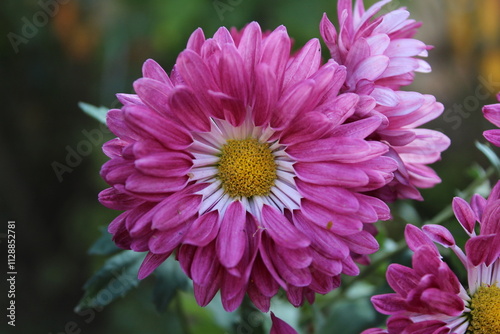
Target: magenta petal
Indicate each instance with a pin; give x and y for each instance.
(231, 242)
(117, 200)
(361, 243)
(276, 52)
(402, 279)
(493, 136)
(443, 302)
(266, 92)
(189, 110)
(250, 46)
(196, 40)
(464, 214)
(154, 94)
(281, 230)
(329, 34)
(334, 174)
(405, 47)
(170, 134)
(370, 68)
(280, 327)
(478, 248)
(304, 63)
(336, 149)
(415, 238)
(205, 294)
(291, 103)
(205, 265)
(204, 229)
(439, 234)
(151, 69)
(140, 183)
(168, 164)
(344, 199)
(150, 263)
(492, 113)
(175, 210)
(390, 303)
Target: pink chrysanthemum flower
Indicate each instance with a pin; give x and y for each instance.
(381, 56)
(240, 163)
(429, 297)
(492, 113)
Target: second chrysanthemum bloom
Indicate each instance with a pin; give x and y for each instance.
(241, 165)
(429, 297)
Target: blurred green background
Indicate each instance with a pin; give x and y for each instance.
(56, 53)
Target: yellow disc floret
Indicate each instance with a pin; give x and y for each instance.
(485, 311)
(246, 168)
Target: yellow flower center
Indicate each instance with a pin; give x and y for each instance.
(485, 311)
(246, 168)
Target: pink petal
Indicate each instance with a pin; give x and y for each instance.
(415, 238)
(266, 93)
(154, 94)
(282, 231)
(170, 134)
(196, 40)
(151, 69)
(175, 210)
(291, 103)
(390, 303)
(205, 265)
(464, 214)
(339, 199)
(402, 279)
(478, 249)
(167, 164)
(204, 229)
(443, 302)
(140, 183)
(280, 327)
(335, 149)
(439, 234)
(150, 263)
(189, 109)
(250, 46)
(332, 174)
(303, 64)
(231, 242)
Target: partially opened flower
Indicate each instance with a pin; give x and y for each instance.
(241, 165)
(492, 113)
(381, 56)
(429, 297)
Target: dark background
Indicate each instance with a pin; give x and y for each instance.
(54, 54)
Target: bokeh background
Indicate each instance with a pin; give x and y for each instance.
(55, 53)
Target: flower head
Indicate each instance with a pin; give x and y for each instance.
(381, 56)
(429, 297)
(241, 165)
(492, 113)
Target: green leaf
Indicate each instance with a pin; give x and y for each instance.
(99, 113)
(488, 152)
(113, 280)
(169, 279)
(104, 245)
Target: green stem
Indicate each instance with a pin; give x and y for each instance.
(251, 320)
(182, 316)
